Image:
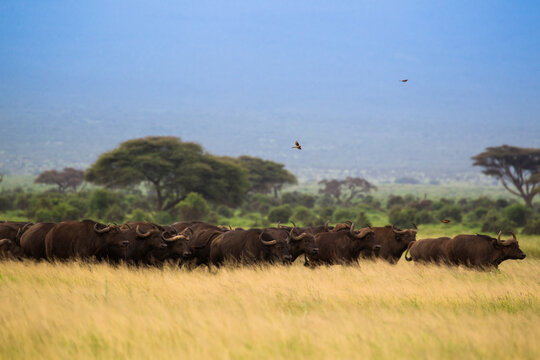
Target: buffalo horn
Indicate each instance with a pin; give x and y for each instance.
(101, 231)
(270, 242)
(173, 238)
(141, 234)
(499, 237)
(326, 225)
(398, 231)
(352, 228)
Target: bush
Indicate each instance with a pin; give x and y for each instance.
(295, 198)
(193, 207)
(225, 211)
(64, 212)
(403, 218)
(518, 213)
(532, 227)
(452, 212)
(423, 217)
(163, 218)
(280, 214)
(302, 215)
(361, 219)
(115, 214)
(394, 200)
(344, 214)
(325, 213)
(498, 224)
(140, 215)
(100, 201)
(478, 213)
(44, 215)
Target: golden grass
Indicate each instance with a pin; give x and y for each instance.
(375, 310)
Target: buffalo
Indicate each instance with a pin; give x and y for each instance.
(343, 246)
(13, 230)
(393, 242)
(10, 250)
(86, 239)
(478, 251)
(248, 247)
(33, 240)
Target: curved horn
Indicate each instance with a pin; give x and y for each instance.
(141, 234)
(279, 225)
(352, 229)
(326, 225)
(293, 224)
(369, 226)
(414, 225)
(398, 231)
(101, 231)
(513, 235)
(295, 238)
(173, 238)
(499, 237)
(270, 242)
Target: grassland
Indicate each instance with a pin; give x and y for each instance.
(374, 310)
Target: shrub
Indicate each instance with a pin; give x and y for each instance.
(344, 214)
(163, 218)
(44, 215)
(325, 213)
(394, 200)
(140, 215)
(193, 207)
(498, 224)
(518, 213)
(64, 212)
(225, 211)
(280, 214)
(302, 215)
(452, 212)
(532, 227)
(296, 198)
(423, 217)
(361, 219)
(115, 214)
(100, 201)
(403, 218)
(478, 213)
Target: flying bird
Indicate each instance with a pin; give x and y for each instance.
(404, 80)
(445, 221)
(296, 145)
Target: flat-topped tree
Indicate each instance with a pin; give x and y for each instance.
(173, 168)
(344, 191)
(69, 178)
(266, 175)
(517, 168)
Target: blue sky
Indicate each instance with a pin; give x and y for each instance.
(473, 68)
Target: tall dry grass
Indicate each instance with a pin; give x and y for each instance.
(375, 310)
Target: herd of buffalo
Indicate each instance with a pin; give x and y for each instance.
(194, 243)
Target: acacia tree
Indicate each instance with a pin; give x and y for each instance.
(172, 168)
(344, 191)
(517, 168)
(65, 179)
(266, 175)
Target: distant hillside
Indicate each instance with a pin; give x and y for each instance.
(35, 141)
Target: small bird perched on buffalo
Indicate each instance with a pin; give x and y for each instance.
(445, 221)
(296, 145)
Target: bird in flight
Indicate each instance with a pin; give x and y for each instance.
(445, 221)
(296, 145)
(404, 80)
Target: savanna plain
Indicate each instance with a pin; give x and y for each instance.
(373, 310)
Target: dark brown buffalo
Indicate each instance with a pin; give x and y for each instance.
(86, 239)
(145, 242)
(300, 240)
(13, 230)
(200, 243)
(393, 242)
(428, 250)
(343, 246)
(177, 247)
(478, 251)
(33, 240)
(10, 250)
(248, 247)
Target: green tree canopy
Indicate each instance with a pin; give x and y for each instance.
(517, 168)
(344, 191)
(173, 168)
(266, 175)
